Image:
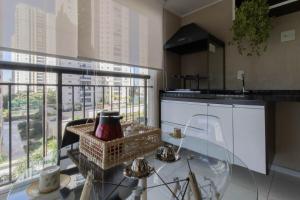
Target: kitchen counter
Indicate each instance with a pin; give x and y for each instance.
(234, 96)
(248, 121)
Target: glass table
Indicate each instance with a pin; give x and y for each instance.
(217, 179)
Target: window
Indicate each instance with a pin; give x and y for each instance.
(123, 94)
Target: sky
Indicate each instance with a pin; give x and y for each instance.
(7, 74)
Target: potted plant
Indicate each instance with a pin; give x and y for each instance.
(251, 27)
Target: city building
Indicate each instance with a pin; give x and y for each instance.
(1, 111)
(40, 42)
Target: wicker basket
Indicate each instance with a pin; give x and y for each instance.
(112, 153)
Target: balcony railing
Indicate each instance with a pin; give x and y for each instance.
(34, 116)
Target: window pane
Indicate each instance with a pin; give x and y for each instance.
(78, 103)
(99, 99)
(51, 120)
(4, 135)
(36, 125)
(19, 130)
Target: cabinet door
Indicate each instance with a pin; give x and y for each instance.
(198, 144)
(249, 136)
(224, 113)
(180, 112)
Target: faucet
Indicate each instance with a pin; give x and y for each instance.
(243, 82)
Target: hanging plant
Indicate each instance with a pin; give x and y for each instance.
(251, 27)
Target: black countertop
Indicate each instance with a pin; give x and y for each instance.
(236, 95)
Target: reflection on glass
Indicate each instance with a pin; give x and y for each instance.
(142, 105)
(89, 101)
(67, 103)
(19, 130)
(35, 125)
(51, 120)
(123, 102)
(4, 134)
(78, 103)
(99, 99)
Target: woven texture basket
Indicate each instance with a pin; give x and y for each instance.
(112, 153)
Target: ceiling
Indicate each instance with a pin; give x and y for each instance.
(184, 7)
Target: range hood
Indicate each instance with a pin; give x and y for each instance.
(191, 38)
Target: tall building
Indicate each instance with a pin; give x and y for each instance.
(69, 79)
(66, 28)
(33, 36)
(117, 33)
(24, 77)
(30, 36)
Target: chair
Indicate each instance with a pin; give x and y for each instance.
(208, 130)
(69, 138)
(204, 134)
(205, 154)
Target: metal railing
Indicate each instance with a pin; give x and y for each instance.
(130, 101)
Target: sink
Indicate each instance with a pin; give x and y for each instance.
(233, 96)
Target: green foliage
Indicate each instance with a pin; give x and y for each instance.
(19, 100)
(19, 104)
(52, 144)
(252, 27)
(35, 130)
(51, 97)
(36, 157)
(3, 158)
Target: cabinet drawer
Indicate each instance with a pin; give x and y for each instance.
(168, 128)
(195, 141)
(180, 112)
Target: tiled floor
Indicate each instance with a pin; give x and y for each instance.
(3, 196)
(284, 188)
(275, 186)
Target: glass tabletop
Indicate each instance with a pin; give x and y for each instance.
(21, 187)
(217, 178)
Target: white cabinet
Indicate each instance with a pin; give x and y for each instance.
(250, 136)
(224, 113)
(243, 128)
(180, 112)
(175, 114)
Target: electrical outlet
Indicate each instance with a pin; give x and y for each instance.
(287, 36)
(212, 48)
(240, 74)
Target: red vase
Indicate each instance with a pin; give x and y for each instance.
(109, 127)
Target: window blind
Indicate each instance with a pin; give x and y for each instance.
(42, 26)
(127, 32)
(121, 31)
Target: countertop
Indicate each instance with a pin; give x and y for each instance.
(231, 96)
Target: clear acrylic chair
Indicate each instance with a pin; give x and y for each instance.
(214, 159)
(204, 151)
